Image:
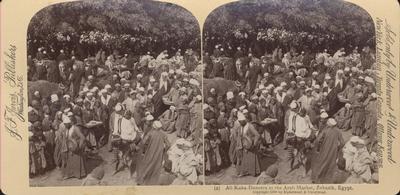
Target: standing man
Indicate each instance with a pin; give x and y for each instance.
(155, 143)
(246, 147)
(328, 146)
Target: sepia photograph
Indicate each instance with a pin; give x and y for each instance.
(114, 94)
(289, 93)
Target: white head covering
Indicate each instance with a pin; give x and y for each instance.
(369, 80)
(66, 120)
(194, 82)
(331, 122)
(149, 117)
(324, 115)
(229, 95)
(293, 105)
(67, 110)
(357, 140)
(327, 77)
(241, 117)
(157, 124)
(118, 107)
(54, 98)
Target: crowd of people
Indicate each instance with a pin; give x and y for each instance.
(307, 103)
(143, 109)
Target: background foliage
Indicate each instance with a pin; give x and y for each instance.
(334, 23)
(154, 25)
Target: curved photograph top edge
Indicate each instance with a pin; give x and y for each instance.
(114, 94)
(284, 81)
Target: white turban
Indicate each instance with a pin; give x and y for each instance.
(66, 120)
(194, 82)
(331, 122)
(157, 124)
(198, 97)
(324, 115)
(293, 105)
(54, 98)
(118, 107)
(149, 117)
(241, 117)
(229, 95)
(357, 140)
(369, 80)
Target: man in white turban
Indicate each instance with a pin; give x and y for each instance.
(329, 142)
(155, 143)
(114, 125)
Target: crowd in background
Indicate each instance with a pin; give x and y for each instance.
(308, 103)
(144, 109)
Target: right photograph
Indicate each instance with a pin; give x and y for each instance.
(289, 93)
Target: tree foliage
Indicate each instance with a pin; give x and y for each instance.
(349, 24)
(169, 26)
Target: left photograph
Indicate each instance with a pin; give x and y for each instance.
(114, 94)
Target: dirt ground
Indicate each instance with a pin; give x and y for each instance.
(121, 178)
(285, 176)
(226, 176)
